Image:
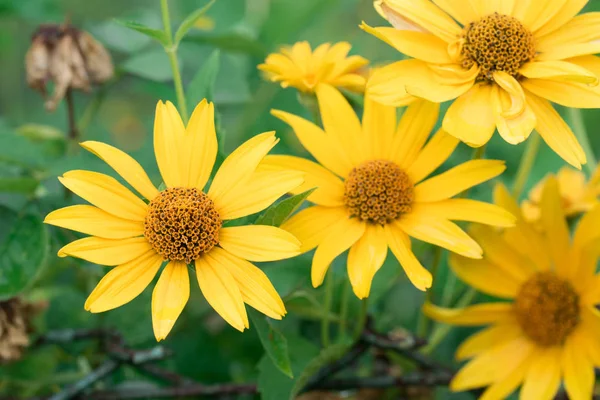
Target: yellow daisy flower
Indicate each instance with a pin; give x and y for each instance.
(372, 192)
(502, 62)
(182, 224)
(550, 331)
(298, 66)
(577, 195)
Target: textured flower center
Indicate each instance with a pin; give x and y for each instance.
(181, 224)
(547, 308)
(497, 43)
(378, 192)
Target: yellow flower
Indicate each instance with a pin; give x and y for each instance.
(372, 192)
(304, 69)
(577, 195)
(181, 224)
(502, 62)
(550, 332)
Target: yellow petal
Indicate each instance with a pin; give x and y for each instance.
(587, 231)
(512, 129)
(580, 30)
(239, 166)
(124, 283)
(320, 145)
(440, 232)
(502, 388)
(168, 136)
(543, 377)
(535, 14)
(561, 71)
(400, 246)
(413, 130)
(255, 287)
(562, 18)
(487, 7)
(588, 335)
(467, 210)
(485, 277)
(517, 97)
(555, 227)
(434, 154)
(124, 165)
(448, 81)
(93, 221)
(577, 368)
(106, 193)
(421, 45)
(365, 258)
(555, 132)
(221, 291)
(259, 242)
(479, 314)
(330, 189)
(312, 224)
(169, 297)
(482, 341)
(457, 179)
(379, 125)
(340, 237)
(106, 251)
(460, 10)
(470, 118)
(199, 146)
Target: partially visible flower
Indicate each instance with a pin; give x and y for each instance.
(15, 326)
(69, 57)
(298, 66)
(373, 192)
(548, 332)
(577, 195)
(183, 224)
(500, 62)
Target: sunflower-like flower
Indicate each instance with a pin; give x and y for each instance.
(298, 66)
(372, 192)
(181, 224)
(577, 195)
(502, 62)
(550, 331)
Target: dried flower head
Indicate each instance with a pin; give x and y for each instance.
(15, 326)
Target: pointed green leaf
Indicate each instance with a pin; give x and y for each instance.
(273, 341)
(21, 184)
(202, 85)
(156, 34)
(190, 20)
(278, 213)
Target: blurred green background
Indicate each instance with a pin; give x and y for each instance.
(33, 151)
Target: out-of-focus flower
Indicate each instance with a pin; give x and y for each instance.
(373, 192)
(298, 66)
(577, 195)
(204, 23)
(500, 62)
(181, 224)
(69, 57)
(15, 327)
(548, 332)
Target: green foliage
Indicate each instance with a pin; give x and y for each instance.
(273, 341)
(202, 85)
(156, 34)
(189, 22)
(279, 212)
(152, 64)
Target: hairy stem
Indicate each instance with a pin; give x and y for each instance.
(527, 161)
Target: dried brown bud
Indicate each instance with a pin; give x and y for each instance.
(69, 57)
(15, 326)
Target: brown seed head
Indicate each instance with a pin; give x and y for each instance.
(547, 308)
(15, 326)
(497, 43)
(378, 192)
(182, 224)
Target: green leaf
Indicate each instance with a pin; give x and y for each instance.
(190, 20)
(18, 150)
(278, 213)
(202, 85)
(155, 34)
(152, 64)
(22, 254)
(24, 185)
(232, 42)
(273, 341)
(39, 132)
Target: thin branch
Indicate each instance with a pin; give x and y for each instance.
(108, 367)
(386, 382)
(191, 390)
(73, 131)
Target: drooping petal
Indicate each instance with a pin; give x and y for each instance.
(259, 242)
(94, 221)
(482, 341)
(169, 297)
(313, 224)
(106, 251)
(434, 154)
(577, 368)
(379, 125)
(513, 129)
(485, 277)
(365, 258)
(467, 210)
(400, 246)
(479, 314)
(125, 166)
(106, 193)
(555, 227)
(124, 283)
(543, 377)
(168, 134)
(515, 92)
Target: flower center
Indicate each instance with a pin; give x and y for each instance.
(497, 43)
(547, 308)
(181, 224)
(378, 192)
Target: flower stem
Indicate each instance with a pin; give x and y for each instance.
(344, 308)
(527, 161)
(581, 133)
(424, 322)
(325, 339)
(362, 318)
(171, 51)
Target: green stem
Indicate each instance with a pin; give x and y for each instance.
(424, 322)
(362, 318)
(344, 308)
(527, 161)
(171, 51)
(581, 133)
(327, 309)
